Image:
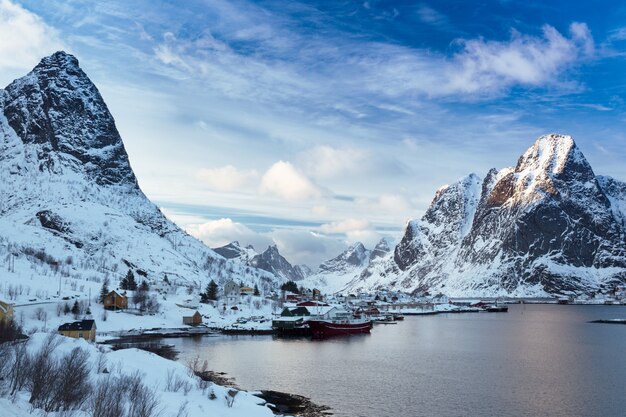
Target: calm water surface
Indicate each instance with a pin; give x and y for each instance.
(535, 360)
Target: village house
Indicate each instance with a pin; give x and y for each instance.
(246, 291)
(115, 301)
(231, 292)
(194, 320)
(84, 329)
(6, 311)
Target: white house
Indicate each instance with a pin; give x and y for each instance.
(231, 292)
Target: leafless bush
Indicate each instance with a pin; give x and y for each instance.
(19, 367)
(107, 399)
(41, 314)
(101, 363)
(182, 410)
(123, 396)
(142, 401)
(176, 383)
(73, 386)
(43, 372)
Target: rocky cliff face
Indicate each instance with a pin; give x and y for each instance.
(546, 226)
(68, 189)
(272, 261)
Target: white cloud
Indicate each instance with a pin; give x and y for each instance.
(320, 211)
(345, 226)
(25, 38)
(309, 248)
(283, 180)
(227, 178)
(526, 60)
(297, 246)
(387, 203)
(355, 230)
(220, 232)
(324, 161)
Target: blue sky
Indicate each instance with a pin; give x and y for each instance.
(313, 125)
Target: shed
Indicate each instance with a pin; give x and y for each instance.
(194, 320)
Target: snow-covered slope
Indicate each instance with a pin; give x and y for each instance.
(547, 226)
(69, 200)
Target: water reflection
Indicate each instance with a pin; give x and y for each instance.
(534, 360)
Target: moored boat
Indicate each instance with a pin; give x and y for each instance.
(496, 309)
(327, 328)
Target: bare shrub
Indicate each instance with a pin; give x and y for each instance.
(72, 387)
(176, 383)
(107, 399)
(43, 373)
(19, 367)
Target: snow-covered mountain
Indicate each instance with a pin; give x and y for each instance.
(546, 226)
(69, 200)
(335, 274)
(235, 251)
(272, 261)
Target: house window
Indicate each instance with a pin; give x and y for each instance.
(80, 334)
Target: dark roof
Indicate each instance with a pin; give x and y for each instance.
(78, 325)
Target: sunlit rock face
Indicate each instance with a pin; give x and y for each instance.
(546, 226)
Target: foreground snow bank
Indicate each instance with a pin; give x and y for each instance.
(176, 391)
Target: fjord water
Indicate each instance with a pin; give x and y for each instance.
(534, 360)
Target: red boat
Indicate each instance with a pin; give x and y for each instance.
(327, 328)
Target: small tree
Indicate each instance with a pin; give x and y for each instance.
(76, 309)
(256, 290)
(128, 282)
(104, 290)
(66, 309)
(212, 291)
(141, 296)
(290, 286)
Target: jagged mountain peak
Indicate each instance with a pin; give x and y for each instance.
(59, 113)
(272, 261)
(59, 59)
(550, 153)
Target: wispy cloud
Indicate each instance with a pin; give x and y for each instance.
(228, 178)
(25, 38)
(433, 17)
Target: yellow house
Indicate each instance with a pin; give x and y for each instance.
(246, 291)
(84, 329)
(6, 311)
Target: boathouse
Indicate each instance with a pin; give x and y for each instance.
(194, 320)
